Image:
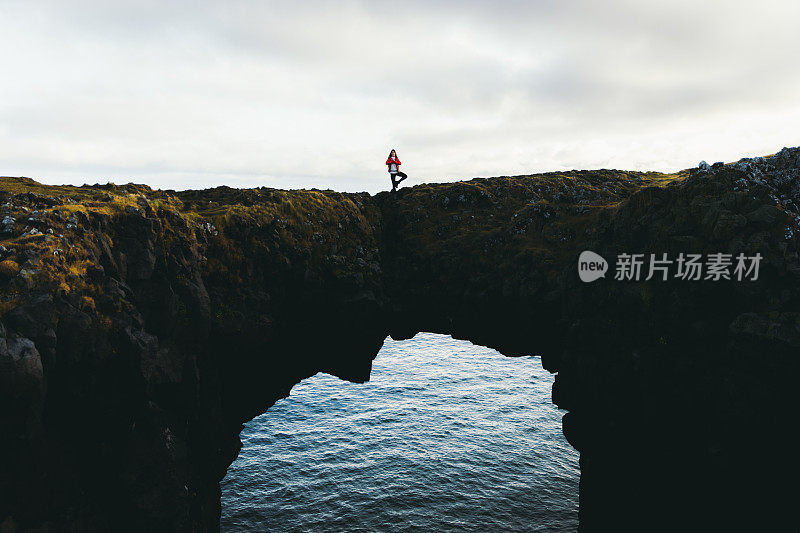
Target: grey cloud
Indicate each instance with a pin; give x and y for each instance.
(246, 91)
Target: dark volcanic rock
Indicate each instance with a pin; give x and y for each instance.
(140, 334)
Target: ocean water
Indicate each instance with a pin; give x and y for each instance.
(446, 436)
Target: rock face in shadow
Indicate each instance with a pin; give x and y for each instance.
(140, 329)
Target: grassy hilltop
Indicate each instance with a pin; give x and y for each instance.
(45, 245)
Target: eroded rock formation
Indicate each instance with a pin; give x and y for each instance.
(140, 329)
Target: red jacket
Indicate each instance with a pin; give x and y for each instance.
(396, 161)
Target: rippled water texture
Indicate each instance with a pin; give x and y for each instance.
(446, 436)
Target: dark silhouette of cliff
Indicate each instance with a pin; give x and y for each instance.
(140, 329)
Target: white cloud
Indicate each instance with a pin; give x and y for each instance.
(313, 94)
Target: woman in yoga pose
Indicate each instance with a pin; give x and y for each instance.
(393, 162)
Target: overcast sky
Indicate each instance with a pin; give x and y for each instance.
(314, 94)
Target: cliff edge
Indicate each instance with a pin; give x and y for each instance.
(140, 329)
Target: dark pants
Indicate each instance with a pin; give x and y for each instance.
(395, 181)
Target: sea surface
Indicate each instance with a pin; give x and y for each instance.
(446, 436)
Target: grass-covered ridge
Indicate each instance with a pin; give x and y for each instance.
(51, 236)
(483, 225)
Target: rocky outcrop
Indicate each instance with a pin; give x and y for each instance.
(140, 329)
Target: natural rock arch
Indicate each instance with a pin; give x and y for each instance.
(141, 333)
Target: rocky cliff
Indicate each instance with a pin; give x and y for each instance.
(140, 329)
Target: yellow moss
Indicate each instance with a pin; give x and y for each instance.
(87, 302)
(72, 208)
(9, 268)
(78, 269)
